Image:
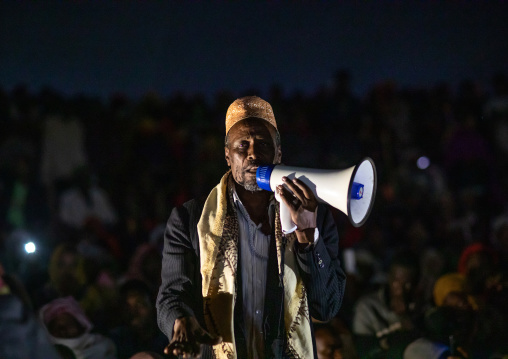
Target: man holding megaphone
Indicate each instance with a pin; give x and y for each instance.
(236, 282)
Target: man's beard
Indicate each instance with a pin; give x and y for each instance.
(250, 184)
(252, 187)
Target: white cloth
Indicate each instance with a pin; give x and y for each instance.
(74, 209)
(372, 314)
(425, 349)
(89, 346)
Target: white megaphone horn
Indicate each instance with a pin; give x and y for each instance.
(351, 190)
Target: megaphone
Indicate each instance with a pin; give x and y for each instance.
(351, 190)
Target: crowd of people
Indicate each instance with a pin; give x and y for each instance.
(87, 186)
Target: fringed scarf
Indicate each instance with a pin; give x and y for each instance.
(218, 244)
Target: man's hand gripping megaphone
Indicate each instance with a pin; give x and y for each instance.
(298, 209)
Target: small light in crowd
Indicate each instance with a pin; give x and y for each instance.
(423, 162)
(30, 247)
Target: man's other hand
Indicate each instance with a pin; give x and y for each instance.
(188, 337)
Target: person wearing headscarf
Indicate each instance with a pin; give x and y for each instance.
(67, 324)
(450, 290)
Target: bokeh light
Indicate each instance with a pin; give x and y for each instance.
(423, 163)
(30, 247)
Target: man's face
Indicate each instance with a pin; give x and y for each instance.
(139, 310)
(64, 325)
(401, 283)
(327, 345)
(251, 144)
(457, 300)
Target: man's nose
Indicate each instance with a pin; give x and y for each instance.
(253, 152)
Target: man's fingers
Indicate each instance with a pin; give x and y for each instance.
(292, 185)
(303, 193)
(191, 349)
(305, 190)
(186, 349)
(178, 348)
(170, 347)
(288, 198)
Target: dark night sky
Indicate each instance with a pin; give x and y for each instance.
(102, 47)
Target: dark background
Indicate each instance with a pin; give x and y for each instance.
(130, 99)
(100, 47)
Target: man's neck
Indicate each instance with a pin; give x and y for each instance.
(255, 202)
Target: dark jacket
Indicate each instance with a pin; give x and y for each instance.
(180, 291)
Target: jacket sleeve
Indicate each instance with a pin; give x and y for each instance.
(179, 291)
(320, 269)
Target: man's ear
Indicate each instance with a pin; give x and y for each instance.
(226, 153)
(278, 155)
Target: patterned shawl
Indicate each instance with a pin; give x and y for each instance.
(218, 243)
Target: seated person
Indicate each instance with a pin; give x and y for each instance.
(68, 325)
(453, 317)
(66, 276)
(328, 342)
(139, 330)
(486, 284)
(386, 319)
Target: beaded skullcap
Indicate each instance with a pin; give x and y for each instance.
(249, 106)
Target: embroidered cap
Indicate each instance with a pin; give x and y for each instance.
(249, 106)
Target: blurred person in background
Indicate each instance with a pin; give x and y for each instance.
(66, 276)
(385, 321)
(67, 324)
(21, 334)
(500, 242)
(63, 148)
(86, 279)
(84, 202)
(23, 202)
(432, 262)
(24, 213)
(328, 343)
(496, 114)
(449, 332)
(145, 265)
(138, 330)
(450, 290)
(85, 207)
(484, 282)
(453, 315)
